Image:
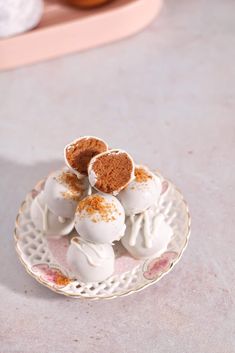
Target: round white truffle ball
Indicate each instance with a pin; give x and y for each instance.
(141, 193)
(100, 218)
(90, 262)
(147, 234)
(63, 190)
(46, 221)
(17, 16)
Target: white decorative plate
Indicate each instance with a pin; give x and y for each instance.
(45, 259)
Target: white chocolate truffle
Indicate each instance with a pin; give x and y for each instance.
(19, 16)
(141, 193)
(100, 218)
(90, 262)
(77, 154)
(63, 190)
(111, 171)
(46, 221)
(147, 234)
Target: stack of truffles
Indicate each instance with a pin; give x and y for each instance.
(107, 198)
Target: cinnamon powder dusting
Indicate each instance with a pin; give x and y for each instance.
(79, 153)
(97, 205)
(141, 175)
(75, 186)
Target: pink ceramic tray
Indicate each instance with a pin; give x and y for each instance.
(65, 29)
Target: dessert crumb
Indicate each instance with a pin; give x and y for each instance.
(142, 175)
(97, 204)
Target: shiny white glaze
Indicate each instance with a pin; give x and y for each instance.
(54, 195)
(90, 262)
(101, 231)
(139, 196)
(147, 234)
(98, 249)
(46, 221)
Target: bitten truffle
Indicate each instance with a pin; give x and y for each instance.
(111, 171)
(79, 153)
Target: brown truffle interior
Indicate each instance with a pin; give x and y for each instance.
(113, 171)
(79, 153)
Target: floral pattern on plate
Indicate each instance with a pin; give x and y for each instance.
(51, 275)
(153, 268)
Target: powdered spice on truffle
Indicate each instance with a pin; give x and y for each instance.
(141, 175)
(75, 186)
(96, 204)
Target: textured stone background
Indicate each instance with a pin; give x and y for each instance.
(166, 95)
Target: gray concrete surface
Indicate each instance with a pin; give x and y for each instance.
(168, 97)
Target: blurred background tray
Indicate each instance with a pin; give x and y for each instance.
(65, 29)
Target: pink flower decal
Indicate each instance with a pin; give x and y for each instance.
(156, 266)
(37, 189)
(34, 193)
(51, 275)
(165, 186)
